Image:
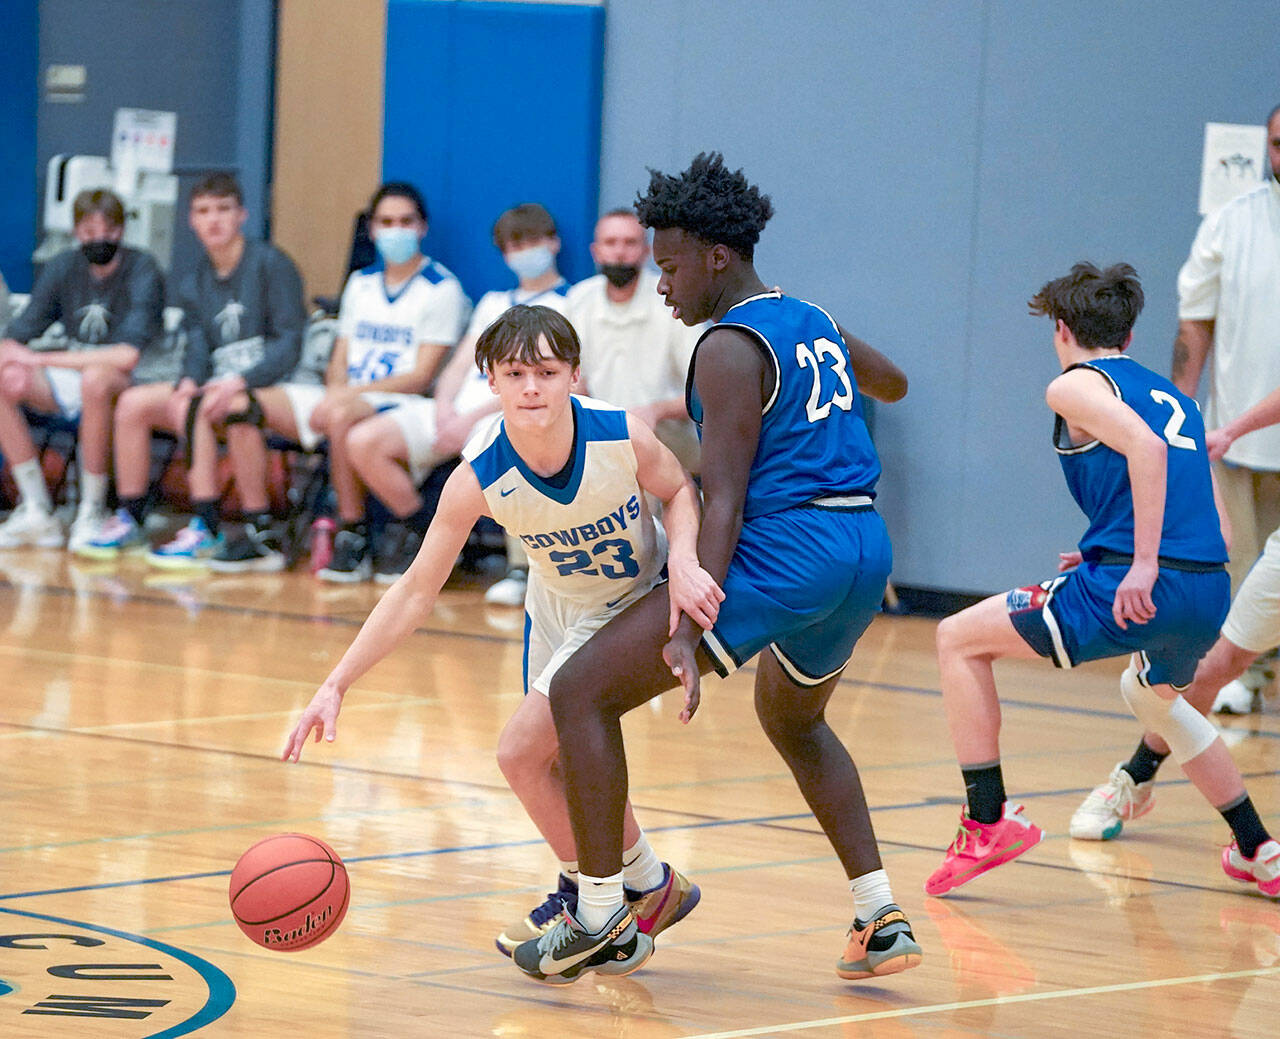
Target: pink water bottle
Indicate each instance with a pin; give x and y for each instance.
(322, 531)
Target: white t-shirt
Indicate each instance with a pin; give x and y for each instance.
(1232, 277)
(383, 330)
(636, 353)
(474, 390)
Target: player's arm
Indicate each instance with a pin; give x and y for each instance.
(1087, 403)
(455, 371)
(1190, 350)
(692, 591)
(406, 604)
(417, 379)
(731, 378)
(1219, 503)
(1265, 413)
(877, 376)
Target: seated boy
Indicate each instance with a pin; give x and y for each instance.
(109, 297)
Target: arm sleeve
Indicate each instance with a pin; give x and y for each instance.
(195, 358)
(45, 305)
(143, 321)
(283, 323)
(1199, 278)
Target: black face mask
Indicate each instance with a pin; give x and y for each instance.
(99, 251)
(620, 275)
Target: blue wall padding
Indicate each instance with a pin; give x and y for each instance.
(489, 105)
(19, 94)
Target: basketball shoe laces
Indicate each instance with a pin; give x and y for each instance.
(551, 908)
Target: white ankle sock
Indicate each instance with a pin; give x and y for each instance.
(31, 486)
(93, 490)
(569, 869)
(598, 899)
(870, 894)
(641, 867)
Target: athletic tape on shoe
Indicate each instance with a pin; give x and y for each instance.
(1185, 729)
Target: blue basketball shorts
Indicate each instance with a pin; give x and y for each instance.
(1068, 619)
(805, 582)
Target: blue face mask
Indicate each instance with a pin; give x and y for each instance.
(531, 263)
(396, 244)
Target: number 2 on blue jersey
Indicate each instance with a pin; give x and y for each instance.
(813, 357)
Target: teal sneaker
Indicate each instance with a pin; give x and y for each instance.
(567, 950)
(119, 533)
(191, 547)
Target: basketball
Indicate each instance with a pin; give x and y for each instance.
(289, 892)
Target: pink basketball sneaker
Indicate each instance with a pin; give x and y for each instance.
(1263, 869)
(979, 847)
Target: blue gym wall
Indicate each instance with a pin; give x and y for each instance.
(208, 60)
(19, 53)
(488, 105)
(931, 165)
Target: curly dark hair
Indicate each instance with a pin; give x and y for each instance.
(1099, 306)
(709, 202)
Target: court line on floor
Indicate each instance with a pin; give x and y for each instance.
(487, 637)
(973, 1004)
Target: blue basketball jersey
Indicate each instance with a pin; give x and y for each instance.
(1098, 477)
(814, 441)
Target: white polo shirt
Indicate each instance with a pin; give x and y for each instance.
(635, 353)
(1232, 277)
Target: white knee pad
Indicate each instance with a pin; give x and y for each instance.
(1185, 729)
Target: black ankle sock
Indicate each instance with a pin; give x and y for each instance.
(135, 507)
(360, 527)
(984, 786)
(210, 512)
(1144, 763)
(1243, 819)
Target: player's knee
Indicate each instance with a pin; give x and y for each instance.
(364, 445)
(1188, 733)
(14, 382)
(949, 636)
(99, 383)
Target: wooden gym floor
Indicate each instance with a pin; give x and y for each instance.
(140, 725)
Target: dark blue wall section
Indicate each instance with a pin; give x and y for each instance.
(19, 58)
(207, 60)
(489, 105)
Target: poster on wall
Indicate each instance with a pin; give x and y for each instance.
(141, 141)
(1234, 159)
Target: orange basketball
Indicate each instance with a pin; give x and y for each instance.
(289, 892)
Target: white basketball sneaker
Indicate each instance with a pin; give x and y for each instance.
(31, 525)
(1102, 815)
(85, 527)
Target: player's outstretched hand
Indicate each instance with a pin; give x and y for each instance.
(692, 590)
(1069, 560)
(1133, 600)
(321, 717)
(680, 656)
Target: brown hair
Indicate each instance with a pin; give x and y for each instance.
(518, 336)
(219, 185)
(527, 220)
(1098, 306)
(98, 200)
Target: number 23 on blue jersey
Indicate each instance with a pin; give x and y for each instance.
(822, 355)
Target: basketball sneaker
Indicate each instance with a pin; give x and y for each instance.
(190, 547)
(31, 525)
(510, 590)
(119, 533)
(568, 950)
(979, 847)
(257, 550)
(350, 562)
(667, 904)
(88, 521)
(1263, 869)
(884, 945)
(541, 919)
(1102, 815)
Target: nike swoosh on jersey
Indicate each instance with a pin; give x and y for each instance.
(509, 490)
